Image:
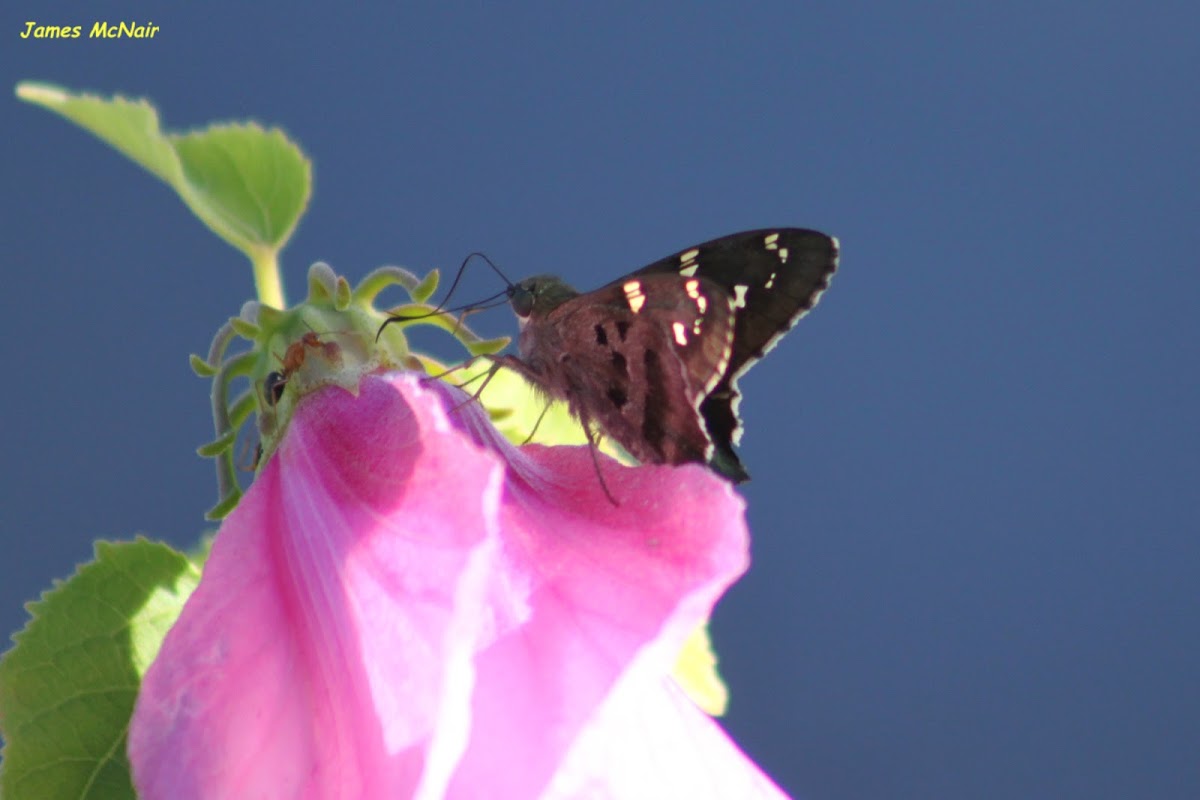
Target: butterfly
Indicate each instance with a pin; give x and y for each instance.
(653, 358)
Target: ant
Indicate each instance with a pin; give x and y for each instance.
(293, 360)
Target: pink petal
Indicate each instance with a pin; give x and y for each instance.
(313, 658)
(606, 586)
(396, 609)
(650, 740)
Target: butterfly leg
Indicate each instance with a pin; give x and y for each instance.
(450, 371)
(594, 448)
(487, 378)
(498, 362)
(521, 368)
(537, 424)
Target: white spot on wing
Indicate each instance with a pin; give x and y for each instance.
(739, 292)
(693, 289)
(734, 405)
(735, 395)
(687, 262)
(680, 334)
(633, 294)
(783, 254)
(772, 241)
(718, 374)
(770, 281)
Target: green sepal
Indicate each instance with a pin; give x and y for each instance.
(342, 295)
(242, 407)
(423, 314)
(333, 337)
(322, 284)
(228, 502)
(487, 347)
(218, 445)
(425, 289)
(201, 367)
(383, 277)
(267, 318)
(244, 329)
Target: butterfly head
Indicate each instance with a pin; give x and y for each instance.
(538, 296)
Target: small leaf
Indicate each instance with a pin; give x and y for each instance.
(68, 686)
(249, 185)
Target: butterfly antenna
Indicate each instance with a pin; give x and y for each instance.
(453, 285)
(482, 305)
(508, 284)
(457, 277)
(498, 298)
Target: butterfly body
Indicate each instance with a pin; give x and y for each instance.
(653, 358)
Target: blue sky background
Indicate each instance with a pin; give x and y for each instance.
(975, 496)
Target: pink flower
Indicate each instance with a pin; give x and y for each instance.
(404, 605)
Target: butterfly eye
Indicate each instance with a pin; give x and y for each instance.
(521, 299)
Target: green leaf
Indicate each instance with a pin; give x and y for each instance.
(249, 185)
(68, 686)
